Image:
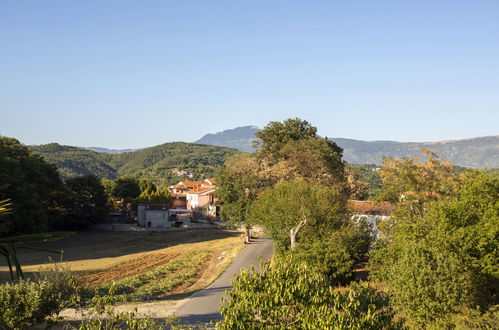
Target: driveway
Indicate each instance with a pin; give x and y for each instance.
(204, 306)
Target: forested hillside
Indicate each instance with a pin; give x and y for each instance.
(73, 161)
(160, 163)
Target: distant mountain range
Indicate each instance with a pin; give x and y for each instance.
(477, 152)
(165, 163)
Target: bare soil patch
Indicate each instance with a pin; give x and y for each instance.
(128, 268)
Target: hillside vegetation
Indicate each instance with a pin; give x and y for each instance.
(159, 163)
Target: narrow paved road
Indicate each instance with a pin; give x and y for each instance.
(204, 306)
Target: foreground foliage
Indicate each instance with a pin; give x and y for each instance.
(296, 296)
(27, 303)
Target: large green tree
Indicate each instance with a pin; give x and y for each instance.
(32, 185)
(295, 211)
(238, 187)
(290, 150)
(312, 221)
(85, 202)
(126, 188)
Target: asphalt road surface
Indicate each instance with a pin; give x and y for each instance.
(204, 305)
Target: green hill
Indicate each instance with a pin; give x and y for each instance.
(160, 163)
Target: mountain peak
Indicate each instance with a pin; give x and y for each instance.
(240, 138)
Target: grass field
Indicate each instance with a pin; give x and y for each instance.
(141, 265)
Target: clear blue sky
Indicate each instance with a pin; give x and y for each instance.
(139, 73)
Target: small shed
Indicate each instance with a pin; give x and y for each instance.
(153, 215)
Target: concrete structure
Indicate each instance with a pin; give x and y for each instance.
(153, 216)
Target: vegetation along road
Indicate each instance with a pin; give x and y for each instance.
(204, 306)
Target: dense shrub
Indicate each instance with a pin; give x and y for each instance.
(295, 296)
(28, 303)
(440, 263)
(336, 254)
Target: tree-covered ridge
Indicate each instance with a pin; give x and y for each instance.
(73, 161)
(157, 163)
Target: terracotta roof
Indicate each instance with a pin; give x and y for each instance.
(202, 190)
(211, 181)
(191, 184)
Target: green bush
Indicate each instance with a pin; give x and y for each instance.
(28, 303)
(441, 263)
(335, 255)
(296, 296)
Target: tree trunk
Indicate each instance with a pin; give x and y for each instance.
(246, 234)
(294, 231)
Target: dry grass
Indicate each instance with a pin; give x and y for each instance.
(96, 251)
(102, 257)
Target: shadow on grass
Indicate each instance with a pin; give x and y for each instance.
(86, 245)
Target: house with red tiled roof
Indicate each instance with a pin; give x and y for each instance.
(198, 196)
(185, 186)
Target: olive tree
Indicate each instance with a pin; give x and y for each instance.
(294, 211)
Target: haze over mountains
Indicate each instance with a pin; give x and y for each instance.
(477, 152)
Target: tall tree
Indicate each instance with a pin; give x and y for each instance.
(290, 150)
(297, 207)
(33, 186)
(85, 202)
(411, 179)
(126, 188)
(311, 159)
(147, 186)
(238, 187)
